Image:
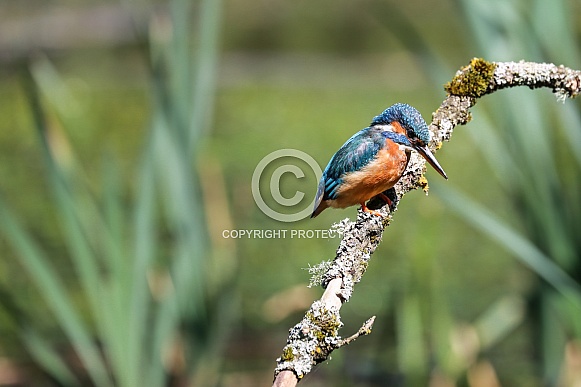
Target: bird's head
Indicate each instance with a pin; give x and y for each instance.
(403, 119)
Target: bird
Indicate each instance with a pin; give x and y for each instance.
(374, 159)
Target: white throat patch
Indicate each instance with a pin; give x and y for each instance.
(386, 128)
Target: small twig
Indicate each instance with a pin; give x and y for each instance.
(316, 336)
(363, 331)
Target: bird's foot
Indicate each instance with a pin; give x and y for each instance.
(385, 198)
(364, 208)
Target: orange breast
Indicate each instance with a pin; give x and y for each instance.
(379, 175)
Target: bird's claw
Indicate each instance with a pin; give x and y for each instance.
(364, 208)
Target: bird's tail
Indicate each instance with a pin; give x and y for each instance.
(322, 206)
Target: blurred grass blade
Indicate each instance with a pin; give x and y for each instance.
(558, 40)
(496, 152)
(113, 234)
(570, 121)
(81, 253)
(49, 285)
(66, 105)
(520, 247)
(395, 20)
(109, 238)
(410, 346)
(553, 336)
(39, 348)
(500, 320)
(144, 250)
(182, 114)
(183, 213)
(205, 72)
(60, 184)
(47, 357)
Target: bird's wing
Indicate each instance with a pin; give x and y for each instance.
(355, 154)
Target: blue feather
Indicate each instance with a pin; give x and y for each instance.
(398, 138)
(355, 154)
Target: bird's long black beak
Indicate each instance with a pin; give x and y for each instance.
(429, 156)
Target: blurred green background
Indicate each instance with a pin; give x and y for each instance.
(129, 134)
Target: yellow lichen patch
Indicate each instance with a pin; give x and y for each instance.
(423, 184)
(385, 221)
(325, 325)
(472, 80)
(287, 354)
(330, 326)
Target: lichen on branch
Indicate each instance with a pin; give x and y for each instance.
(472, 80)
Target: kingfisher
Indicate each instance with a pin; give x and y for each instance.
(374, 159)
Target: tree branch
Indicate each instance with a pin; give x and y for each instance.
(312, 340)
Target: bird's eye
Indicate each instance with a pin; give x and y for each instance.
(416, 141)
